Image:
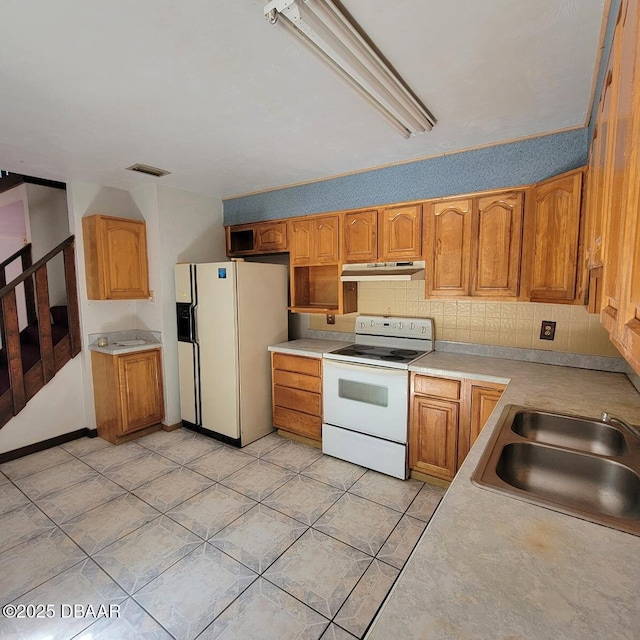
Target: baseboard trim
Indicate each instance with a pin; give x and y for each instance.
(47, 444)
(172, 427)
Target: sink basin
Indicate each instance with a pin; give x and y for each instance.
(588, 483)
(574, 433)
(578, 466)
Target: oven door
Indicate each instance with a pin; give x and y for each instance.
(371, 400)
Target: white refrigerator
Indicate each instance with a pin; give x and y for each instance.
(228, 314)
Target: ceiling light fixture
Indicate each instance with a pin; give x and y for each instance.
(326, 31)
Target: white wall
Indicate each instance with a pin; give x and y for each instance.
(14, 234)
(58, 408)
(190, 230)
(49, 222)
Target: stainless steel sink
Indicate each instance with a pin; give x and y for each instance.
(570, 432)
(574, 465)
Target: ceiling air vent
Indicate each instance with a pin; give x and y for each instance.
(150, 171)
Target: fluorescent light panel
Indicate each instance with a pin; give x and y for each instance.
(326, 32)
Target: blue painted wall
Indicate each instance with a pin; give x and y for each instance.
(503, 165)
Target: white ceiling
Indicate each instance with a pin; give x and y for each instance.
(210, 91)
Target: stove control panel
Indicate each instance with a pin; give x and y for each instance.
(395, 327)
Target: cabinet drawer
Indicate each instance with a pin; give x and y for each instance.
(301, 423)
(296, 380)
(303, 401)
(439, 387)
(299, 364)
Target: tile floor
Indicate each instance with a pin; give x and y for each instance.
(191, 538)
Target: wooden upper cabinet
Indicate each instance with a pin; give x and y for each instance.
(115, 252)
(497, 234)
(551, 236)
(314, 241)
(473, 246)
(257, 238)
(360, 236)
(401, 233)
(325, 239)
(300, 242)
(271, 237)
(448, 248)
(618, 161)
(627, 335)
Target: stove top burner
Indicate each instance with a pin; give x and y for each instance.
(393, 358)
(379, 353)
(405, 353)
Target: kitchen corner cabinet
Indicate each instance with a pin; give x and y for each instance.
(128, 393)
(473, 246)
(115, 251)
(552, 239)
(257, 238)
(297, 394)
(447, 415)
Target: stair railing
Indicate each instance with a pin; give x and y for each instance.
(25, 256)
(23, 385)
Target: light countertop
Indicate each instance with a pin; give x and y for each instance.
(308, 347)
(149, 339)
(491, 567)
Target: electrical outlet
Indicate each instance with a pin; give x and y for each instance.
(547, 330)
(331, 319)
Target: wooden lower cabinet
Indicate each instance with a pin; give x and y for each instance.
(447, 416)
(433, 440)
(128, 393)
(297, 394)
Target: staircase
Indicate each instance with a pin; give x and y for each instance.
(31, 357)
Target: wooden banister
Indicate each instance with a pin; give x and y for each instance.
(27, 273)
(24, 384)
(5, 263)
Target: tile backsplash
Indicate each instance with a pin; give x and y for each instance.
(506, 324)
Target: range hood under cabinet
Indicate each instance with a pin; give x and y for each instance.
(377, 271)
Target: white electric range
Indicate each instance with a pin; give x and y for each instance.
(366, 392)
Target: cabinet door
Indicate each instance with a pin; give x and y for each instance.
(629, 339)
(271, 237)
(483, 402)
(497, 233)
(553, 235)
(448, 248)
(124, 249)
(141, 396)
(401, 229)
(360, 236)
(433, 435)
(618, 162)
(325, 240)
(300, 248)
